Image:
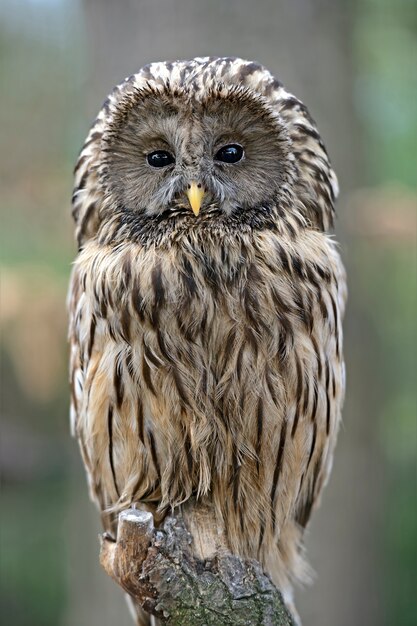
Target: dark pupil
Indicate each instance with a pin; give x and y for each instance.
(160, 158)
(230, 154)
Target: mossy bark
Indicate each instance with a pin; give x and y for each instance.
(164, 574)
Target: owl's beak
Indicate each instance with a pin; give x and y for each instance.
(195, 194)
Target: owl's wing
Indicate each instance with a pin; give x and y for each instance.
(108, 371)
(320, 395)
(90, 418)
(80, 367)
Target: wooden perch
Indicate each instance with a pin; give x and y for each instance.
(183, 574)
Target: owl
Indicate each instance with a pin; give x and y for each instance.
(206, 304)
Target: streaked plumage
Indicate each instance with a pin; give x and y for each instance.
(206, 351)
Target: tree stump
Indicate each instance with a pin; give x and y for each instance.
(183, 573)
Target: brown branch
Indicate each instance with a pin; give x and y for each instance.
(189, 578)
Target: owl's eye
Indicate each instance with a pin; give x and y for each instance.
(230, 154)
(160, 158)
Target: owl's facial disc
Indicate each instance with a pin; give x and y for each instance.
(226, 151)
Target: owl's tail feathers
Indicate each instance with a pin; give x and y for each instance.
(285, 561)
(289, 603)
(140, 616)
(286, 564)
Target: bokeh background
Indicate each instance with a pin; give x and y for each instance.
(354, 64)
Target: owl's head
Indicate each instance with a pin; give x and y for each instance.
(177, 148)
(207, 138)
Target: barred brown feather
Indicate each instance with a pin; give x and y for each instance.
(206, 352)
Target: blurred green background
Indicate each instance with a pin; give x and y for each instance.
(354, 64)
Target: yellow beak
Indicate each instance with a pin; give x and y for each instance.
(195, 194)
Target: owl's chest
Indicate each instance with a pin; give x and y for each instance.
(197, 296)
(201, 316)
(191, 307)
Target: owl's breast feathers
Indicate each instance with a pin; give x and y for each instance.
(211, 368)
